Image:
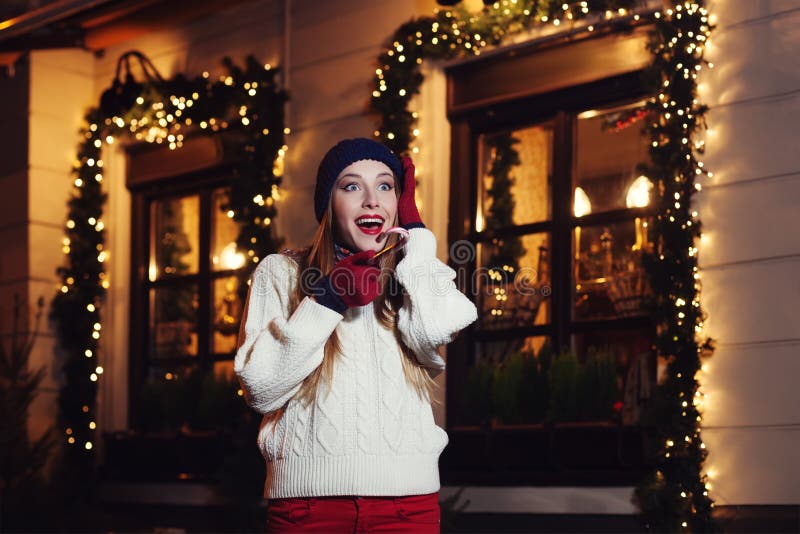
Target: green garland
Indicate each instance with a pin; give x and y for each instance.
(505, 258)
(674, 496)
(248, 104)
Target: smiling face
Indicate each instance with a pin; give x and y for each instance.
(364, 205)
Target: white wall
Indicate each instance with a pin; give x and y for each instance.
(60, 91)
(750, 256)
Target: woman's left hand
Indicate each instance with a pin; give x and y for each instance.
(407, 211)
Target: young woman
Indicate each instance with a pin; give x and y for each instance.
(338, 349)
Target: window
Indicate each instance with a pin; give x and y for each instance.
(186, 298)
(549, 384)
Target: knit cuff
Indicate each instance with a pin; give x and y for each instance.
(411, 225)
(326, 295)
(309, 314)
(421, 246)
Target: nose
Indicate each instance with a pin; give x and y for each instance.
(370, 199)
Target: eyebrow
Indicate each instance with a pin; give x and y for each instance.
(356, 175)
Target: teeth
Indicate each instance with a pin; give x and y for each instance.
(366, 220)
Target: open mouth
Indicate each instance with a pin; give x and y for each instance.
(370, 224)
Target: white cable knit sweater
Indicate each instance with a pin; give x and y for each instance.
(371, 435)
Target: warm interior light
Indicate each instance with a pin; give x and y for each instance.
(230, 258)
(581, 206)
(639, 192)
(479, 221)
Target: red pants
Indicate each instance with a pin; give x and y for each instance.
(414, 513)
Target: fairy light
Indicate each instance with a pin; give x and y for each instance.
(683, 20)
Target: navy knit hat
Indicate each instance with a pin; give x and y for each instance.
(343, 154)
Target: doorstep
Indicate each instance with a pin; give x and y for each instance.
(613, 500)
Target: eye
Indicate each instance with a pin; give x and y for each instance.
(386, 186)
(352, 186)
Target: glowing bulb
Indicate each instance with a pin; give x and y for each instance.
(582, 206)
(639, 192)
(230, 258)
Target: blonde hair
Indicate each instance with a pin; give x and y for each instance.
(321, 256)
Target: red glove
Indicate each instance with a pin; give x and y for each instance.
(351, 282)
(407, 211)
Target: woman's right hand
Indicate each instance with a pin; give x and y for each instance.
(351, 282)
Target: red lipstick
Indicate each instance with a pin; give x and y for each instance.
(374, 228)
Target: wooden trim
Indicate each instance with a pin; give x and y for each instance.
(139, 310)
(537, 109)
(140, 17)
(560, 244)
(609, 325)
(611, 216)
(463, 196)
(529, 86)
(154, 173)
(205, 315)
(538, 69)
(509, 231)
(463, 193)
(515, 332)
(148, 163)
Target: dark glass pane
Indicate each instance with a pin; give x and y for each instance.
(227, 313)
(184, 396)
(507, 383)
(224, 232)
(610, 147)
(223, 370)
(515, 172)
(173, 323)
(614, 375)
(175, 237)
(513, 282)
(162, 399)
(610, 281)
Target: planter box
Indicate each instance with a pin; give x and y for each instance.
(163, 456)
(593, 453)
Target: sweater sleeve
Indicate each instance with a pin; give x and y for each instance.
(434, 311)
(276, 351)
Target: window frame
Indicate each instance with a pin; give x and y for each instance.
(196, 182)
(509, 112)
